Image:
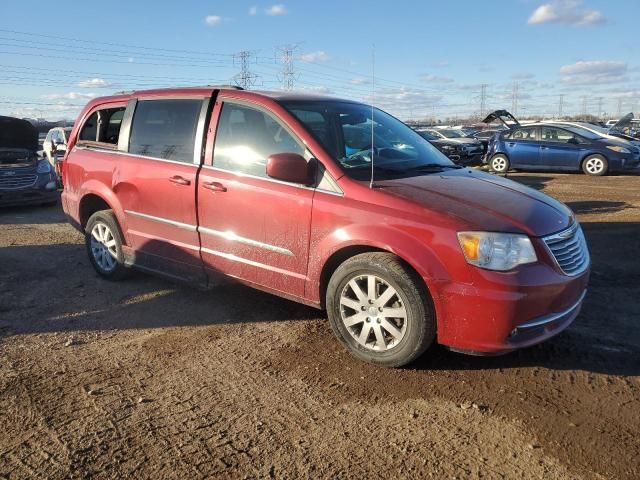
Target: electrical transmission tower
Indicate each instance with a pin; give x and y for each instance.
(287, 76)
(584, 107)
(619, 107)
(560, 105)
(245, 79)
(600, 99)
(514, 98)
(483, 99)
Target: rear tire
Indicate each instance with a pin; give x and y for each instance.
(103, 240)
(380, 310)
(499, 163)
(595, 165)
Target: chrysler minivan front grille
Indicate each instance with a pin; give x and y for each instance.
(569, 249)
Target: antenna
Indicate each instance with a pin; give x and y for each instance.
(373, 92)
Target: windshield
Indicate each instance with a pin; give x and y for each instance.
(450, 133)
(583, 132)
(593, 127)
(345, 130)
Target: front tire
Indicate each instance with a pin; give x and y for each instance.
(595, 165)
(103, 240)
(379, 309)
(499, 163)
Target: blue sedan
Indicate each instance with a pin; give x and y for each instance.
(550, 147)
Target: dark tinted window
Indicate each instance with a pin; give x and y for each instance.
(552, 134)
(165, 129)
(89, 130)
(246, 137)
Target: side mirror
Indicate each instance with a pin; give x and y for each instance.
(573, 141)
(289, 167)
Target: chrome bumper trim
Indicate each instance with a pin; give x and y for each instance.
(554, 317)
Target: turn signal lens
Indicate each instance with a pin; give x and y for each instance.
(496, 251)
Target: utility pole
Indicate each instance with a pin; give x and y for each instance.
(245, 79)
(584, 107)
(287, 76)
(560, 105)
(483, 99)
(619, 107)
(600, 99)
(514, 98)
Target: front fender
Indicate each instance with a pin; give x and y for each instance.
(417, 253)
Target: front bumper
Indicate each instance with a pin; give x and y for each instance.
(497, 313)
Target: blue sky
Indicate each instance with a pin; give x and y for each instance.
(431, 58)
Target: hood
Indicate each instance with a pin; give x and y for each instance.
(486, 202)
(623, 123)
(503, 116)
(617, 141)
(18, 134)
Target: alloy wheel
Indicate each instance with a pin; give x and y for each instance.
(499, 164)
(103, 247)
(373, 312)
(594, 166)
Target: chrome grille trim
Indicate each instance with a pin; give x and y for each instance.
(18, 181)
(569, 250)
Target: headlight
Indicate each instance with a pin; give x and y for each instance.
(496, 251)
(618, 149)
(44, 166)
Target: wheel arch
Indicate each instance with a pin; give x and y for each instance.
(95, 198)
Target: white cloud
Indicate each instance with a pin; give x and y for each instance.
(437, 79)
(566, 12)
(253, 11)
(213, 20)
(315, 57)
(70, 96)
(359, 81)
(403, 101)
(94, 83)
(594, 72)
(278, 9)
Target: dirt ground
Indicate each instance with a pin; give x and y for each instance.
(148, 379)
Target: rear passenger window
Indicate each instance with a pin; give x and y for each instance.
(103, 126)
(246, 137)
(165, 129)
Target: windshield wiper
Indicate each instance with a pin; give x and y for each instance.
(433, 166)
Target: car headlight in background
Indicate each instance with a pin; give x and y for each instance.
(615, 148)
(44, 166)
(496, 251)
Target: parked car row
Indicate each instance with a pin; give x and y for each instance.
(565, 146)
(462, 150)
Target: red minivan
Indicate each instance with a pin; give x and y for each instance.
(326, 202)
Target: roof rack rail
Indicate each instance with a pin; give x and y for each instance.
(231, 87)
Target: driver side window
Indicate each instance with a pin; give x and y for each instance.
(246, 137)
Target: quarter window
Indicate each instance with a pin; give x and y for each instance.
(165, 129)
(102, 126)
(246, 137)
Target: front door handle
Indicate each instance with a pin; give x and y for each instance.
(214, 186)
(544, 148)
(179, 180)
